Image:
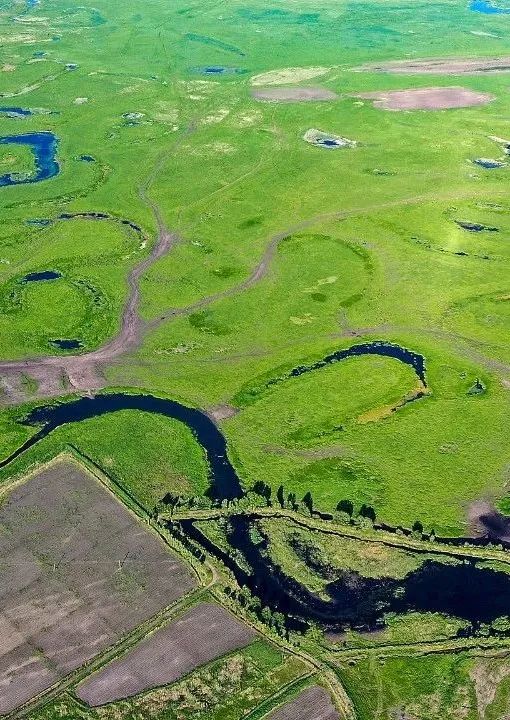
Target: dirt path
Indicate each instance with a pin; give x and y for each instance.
(262, 267)
(58, 375)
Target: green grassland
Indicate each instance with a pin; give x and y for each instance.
(464, 686)
(147, 455)
(383, 266)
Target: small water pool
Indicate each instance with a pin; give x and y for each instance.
(41, 276)
(44, 148)
(488, 8)
(67, 344)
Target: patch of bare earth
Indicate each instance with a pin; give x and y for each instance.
(293, 94)
(487, 675)
(77, 572)
(204, 633)
(485, 521)
(222, 412)
(431, 98)
(312, 704)
(440, 66)
(285, 76)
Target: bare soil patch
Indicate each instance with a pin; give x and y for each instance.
(431, 98)
(312, 704)
(222, 412)
(440, 66)
(293, 94)
(284, 76)
(77, 571)
(204, 633)
(486, 521)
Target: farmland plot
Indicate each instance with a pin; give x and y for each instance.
(77, 571)
(312, 704)
(202, 634)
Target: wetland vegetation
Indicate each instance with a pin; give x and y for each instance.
(292, 364)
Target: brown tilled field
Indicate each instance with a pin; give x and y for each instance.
(312, 704)
(77, 571)
(431, 98)
(204, 633)
(440, 66)
(293, 94)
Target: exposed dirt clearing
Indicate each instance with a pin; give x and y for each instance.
(431, 98)
(487, 675)
(77, 572)
(312, 704)
(285, 76)
(440, 66)
(294, 94)
(204, 633)
(222, 412)
(486, 521)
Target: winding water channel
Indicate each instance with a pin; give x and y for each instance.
(461, 589)
(44, 148)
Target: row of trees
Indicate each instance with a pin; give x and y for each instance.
(273, 619)
(282, 498)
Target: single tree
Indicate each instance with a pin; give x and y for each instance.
(280, 496)
(345, 506)
(308, 502)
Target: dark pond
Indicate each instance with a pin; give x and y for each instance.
(15, 112)
(488, 7)
(218, 70)
(461, 590)
(43, 275)
(87, 158)
(476, 227)
(66, 344)
(328, 143)
(44, 148)
(489, 164)
(38, 222)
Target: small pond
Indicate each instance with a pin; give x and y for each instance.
(43, 275)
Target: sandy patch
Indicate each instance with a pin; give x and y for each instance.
(216, 117)
(327, 140)
(431, 98)
(214, 148)
(10, 39)
(222, 412)
(440, 66)
(487, 675)
(294, 94)
(248, 119)
(7, 67)
(288, 75)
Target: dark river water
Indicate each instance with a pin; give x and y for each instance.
(44, 148)
(459, 588)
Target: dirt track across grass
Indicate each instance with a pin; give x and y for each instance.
(311, 704)
(440, 66)
(293, 94)
(77, 572)
(431, 98)
(204, 633)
